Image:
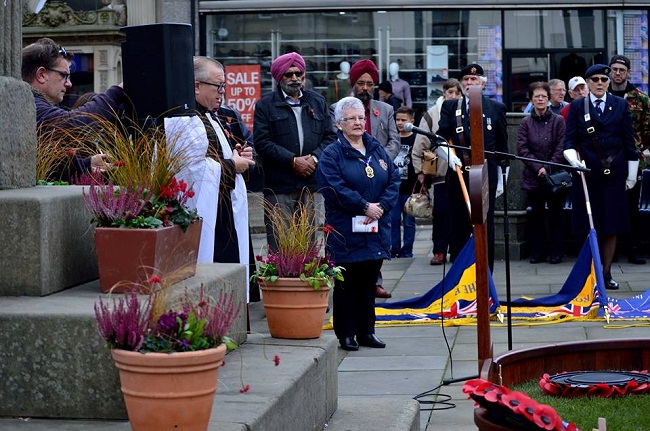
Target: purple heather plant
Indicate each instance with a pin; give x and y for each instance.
(199, 321)
(110, 205)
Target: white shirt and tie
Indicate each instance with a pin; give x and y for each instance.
(598, 103)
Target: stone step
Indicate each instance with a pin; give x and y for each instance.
(375, 413)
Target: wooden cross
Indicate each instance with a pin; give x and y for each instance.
(479, 198)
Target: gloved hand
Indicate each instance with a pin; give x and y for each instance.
(632, 173)
(452, 159)
(500, 180)
(572, 157)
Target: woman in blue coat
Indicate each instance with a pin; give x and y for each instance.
(359, 184)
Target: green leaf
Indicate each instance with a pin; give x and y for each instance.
(230, 343)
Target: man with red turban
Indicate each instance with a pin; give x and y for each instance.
(380, 123)
(291, 128)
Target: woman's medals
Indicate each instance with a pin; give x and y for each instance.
(370, 172)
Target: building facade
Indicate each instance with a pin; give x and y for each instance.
(430, 41)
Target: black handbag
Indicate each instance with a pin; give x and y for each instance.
(558, 181)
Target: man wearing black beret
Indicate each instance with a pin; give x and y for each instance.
(599, 136)
(454, 125)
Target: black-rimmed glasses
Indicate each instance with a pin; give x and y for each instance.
(219, 87)
(64, 75)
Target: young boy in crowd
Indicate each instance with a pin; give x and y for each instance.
(407, 175)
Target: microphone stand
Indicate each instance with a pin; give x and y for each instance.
(506, 228)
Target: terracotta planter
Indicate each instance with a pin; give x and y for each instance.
(169, 391)
(135, 254)
(293, 308)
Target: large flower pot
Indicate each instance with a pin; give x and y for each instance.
(169, 391)
(293, 308)
(132, 255)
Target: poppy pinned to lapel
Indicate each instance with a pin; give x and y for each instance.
(376, 112)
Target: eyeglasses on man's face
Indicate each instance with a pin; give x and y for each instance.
(598, 78)
(353, 119)
(64, 75)
(619, 70)
(290, 74)
(219, 87)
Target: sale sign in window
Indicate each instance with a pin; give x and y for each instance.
(243, 90)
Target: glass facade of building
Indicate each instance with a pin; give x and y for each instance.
(515, 47)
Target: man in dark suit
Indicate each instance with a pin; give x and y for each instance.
(599, 135)
(454, 125)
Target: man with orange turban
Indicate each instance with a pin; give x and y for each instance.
(291, 128)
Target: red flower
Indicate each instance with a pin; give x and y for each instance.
(328, 229)
(118, 164)
(545, 417)
(376, 112)
(276, 359)
(190, 193)
(154, 279)
(245, 389)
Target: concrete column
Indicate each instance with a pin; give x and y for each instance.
(11, 15)
(140, 12)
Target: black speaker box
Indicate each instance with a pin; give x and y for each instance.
(158, 70)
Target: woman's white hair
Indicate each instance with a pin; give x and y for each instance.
(344, 104)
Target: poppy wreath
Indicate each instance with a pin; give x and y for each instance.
(551, 386)
(516, 409)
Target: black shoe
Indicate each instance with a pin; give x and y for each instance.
(370, 340)
(610, 283)
(555, 260)
(349, 344)
(636, 259)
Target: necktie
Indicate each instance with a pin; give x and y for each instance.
(598, 107)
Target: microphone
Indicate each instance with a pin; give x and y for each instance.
(411, 128)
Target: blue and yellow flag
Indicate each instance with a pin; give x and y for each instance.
(453, 298)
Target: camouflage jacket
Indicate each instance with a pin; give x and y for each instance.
(639, 103)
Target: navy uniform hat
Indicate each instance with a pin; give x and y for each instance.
(597, 69)
(471, 69)
(620, 59)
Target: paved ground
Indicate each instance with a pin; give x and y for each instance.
(418, 358)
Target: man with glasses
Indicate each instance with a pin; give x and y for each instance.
(291, 129)
(599, 136)
(639, 104)
(46, 68)
(216, 172)
(556, 102)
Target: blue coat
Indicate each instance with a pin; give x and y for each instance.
(346, 188)
(614, 136)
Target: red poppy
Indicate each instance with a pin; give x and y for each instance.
(546, 417)
(376, 112)
(494, 396)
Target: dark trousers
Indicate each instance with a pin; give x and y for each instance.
(354, 299)
(460, 225)
(635, 227)
(539, 200)
(441, 216)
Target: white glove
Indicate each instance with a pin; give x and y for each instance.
(632, 173)
(451, 159)
(572, 157)
(500, 180)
